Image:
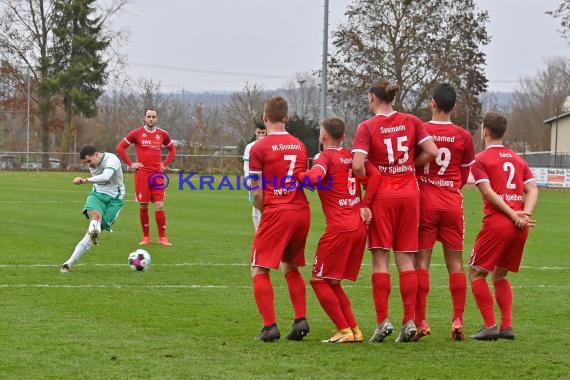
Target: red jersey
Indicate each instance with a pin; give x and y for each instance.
(507, 174)
(340, 197)
(148, 147)
(390, 141)
(440, 179)
(278, 159)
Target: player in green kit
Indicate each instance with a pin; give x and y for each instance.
(103, 203)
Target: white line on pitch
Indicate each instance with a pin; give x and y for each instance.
(544, 268)
(197, 286)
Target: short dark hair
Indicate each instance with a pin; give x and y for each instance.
(444, 96)
(150, 109)
(334, 127)
(496, 124)
(276, 109)
(260, 126)
(87, 150)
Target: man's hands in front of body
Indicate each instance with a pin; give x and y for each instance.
(79, 180)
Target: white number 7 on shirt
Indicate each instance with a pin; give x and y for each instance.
(292, 158)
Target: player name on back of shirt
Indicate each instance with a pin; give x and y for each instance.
(277, 147)
(443, 138)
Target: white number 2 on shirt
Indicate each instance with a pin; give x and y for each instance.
(401, 148)
(509, 167)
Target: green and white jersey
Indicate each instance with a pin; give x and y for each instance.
(114, 186)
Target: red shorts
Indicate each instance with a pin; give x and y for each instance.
(339, 254)
(445, 226)
(144, 193)
(395, 224)
(281, 236)
(498, 247)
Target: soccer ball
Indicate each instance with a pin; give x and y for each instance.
(139, 260)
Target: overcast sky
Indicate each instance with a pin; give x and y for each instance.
(202, 45)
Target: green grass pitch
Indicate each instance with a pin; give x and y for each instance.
(192, 315)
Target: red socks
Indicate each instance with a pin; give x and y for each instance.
(263, 293)
(329, 302)
(458, 290)
(408, 291)
(160, 217)
(504, 297)
(143, 215)
(421, 298)
(345, 304)
(484, 300)
(297, 293)
(381, 295)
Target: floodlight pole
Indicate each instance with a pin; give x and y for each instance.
(323, 110)
(28, 123)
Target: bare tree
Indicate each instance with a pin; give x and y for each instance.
(26, 36)
(244, 110)
(538, 99)
(414, 44)
(302, 93)
(562, 13)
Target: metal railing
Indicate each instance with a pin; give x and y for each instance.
(211, 164)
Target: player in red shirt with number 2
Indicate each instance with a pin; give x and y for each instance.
(509, 196)
(149, 186)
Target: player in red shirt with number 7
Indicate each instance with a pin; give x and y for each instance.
(509, 196)
(274, 166)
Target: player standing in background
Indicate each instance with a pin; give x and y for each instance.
(105, 201)
(260, 132)
(509, 194)
(441, 208)
(341, 247)
(275, 164)
(389, 140)
(149, 141)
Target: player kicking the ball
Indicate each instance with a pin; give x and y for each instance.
(103, 203)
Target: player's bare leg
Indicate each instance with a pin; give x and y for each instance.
(458, 290)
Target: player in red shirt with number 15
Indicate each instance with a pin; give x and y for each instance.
(149, 141)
